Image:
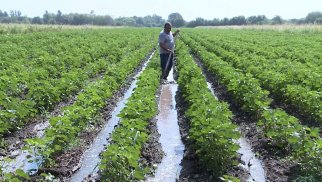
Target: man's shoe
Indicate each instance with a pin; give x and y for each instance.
(164, 81)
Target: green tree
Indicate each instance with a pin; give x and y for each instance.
(103, 20)
(81, 19)
(125, 21)
(197, 22)
(311, 17)
(251, 20)
(319, 21)
(15, 13)
(59, 17)
(148, 21)
(277, 20)
(261, 19)
(92, 14)
(46, 17)
(224, 21)
(139, 21)
(215, 22)
(109, 20)
(3, 14)
(257, 20)
(36, 20)
(176, 20)
(152, 21)
(238, 20)
(157, 20)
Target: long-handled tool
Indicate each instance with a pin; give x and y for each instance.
(172, 52)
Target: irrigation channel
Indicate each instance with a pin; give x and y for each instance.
(91, 157)
(250, 163)
(167, 124)
(22, 159)
(169, 168)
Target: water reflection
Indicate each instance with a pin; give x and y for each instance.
(169, 168)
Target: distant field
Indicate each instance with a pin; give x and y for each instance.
(286, 27)
(22, 28)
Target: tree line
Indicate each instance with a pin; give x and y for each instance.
(15, 16)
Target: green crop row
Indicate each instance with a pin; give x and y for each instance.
(303, 143)
(122, 159)
(211, 131)
(250, 56)
(296, 47)
(245, 89)
(277, 81)
(86, 109)
(42, 69)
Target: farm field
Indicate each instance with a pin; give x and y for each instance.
(231, 89)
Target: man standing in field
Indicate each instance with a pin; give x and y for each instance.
(166, 43)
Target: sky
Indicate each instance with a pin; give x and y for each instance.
(189, 9)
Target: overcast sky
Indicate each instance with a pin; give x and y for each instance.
(189, 9)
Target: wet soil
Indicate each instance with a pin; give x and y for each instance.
(152, 152)
(276, 168)
(36, 126)
(170, 138)
(304, 119)
(15, 140)
(69, 161)
(192, 170)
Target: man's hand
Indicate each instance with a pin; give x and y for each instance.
(170, 51)
(176, 32)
